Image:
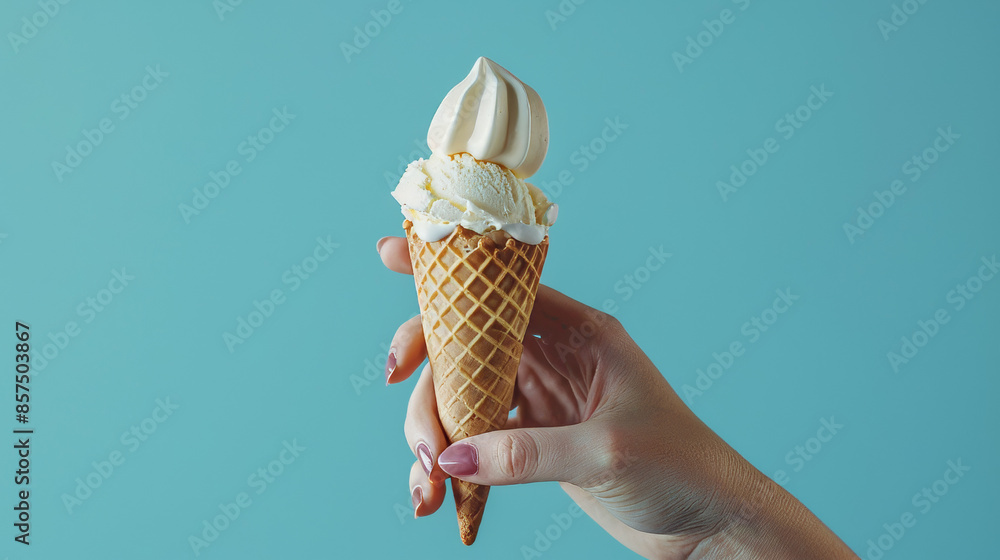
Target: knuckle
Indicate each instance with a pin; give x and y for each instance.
(409, 430)
(614, 330)
(409, 330)
(604, 327)
(611, 323)
(517, 456)
(412, 425)
(607, 337)
(613, 457)
(602, 321)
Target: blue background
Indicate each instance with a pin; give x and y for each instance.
(302, 374)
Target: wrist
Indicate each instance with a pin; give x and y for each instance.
(766, 522)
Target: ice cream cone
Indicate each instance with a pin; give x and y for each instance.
(476, 292)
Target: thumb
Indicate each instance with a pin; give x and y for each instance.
(519, 456)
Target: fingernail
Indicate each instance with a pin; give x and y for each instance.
(438, 476)
(378, 246)
(461, 459)
(424, 454)
(418, 498)
(390, 364)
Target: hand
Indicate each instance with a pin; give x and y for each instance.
(593, 413)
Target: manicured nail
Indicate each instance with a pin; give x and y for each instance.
(438, 476)
(378, 246)
(461, 459)
(424, 454)
(418, 498)
(390, 365)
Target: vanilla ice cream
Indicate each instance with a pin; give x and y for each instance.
(489, 133)
(495, 117)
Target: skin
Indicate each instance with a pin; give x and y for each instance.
(594, 414)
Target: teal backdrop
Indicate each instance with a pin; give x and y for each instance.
(191, 192)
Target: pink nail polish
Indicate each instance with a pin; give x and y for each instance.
(438, 476)
(461, 459)
(424, 454)
(418, 498)
(390, 365)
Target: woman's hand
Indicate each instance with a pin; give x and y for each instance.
(593, 413)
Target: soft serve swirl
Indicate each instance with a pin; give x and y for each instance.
(489, 133)
(495, 117)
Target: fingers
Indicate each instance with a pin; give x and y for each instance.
(519, 456)
(553, 396)
(406, 351)
(427, 497)
(395, 254)
(423, 430)
(553, 310)
(557, 317)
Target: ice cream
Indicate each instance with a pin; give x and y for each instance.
(495, 117)
(477, 238)
(439, 193)
(489, 133)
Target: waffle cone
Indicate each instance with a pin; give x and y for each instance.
(476, 293)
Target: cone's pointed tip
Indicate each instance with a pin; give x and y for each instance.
(468, 526)
(468, 534)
